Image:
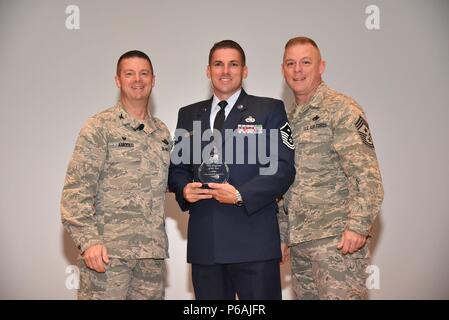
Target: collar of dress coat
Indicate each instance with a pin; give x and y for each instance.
(215, 108)
(231, 101)
(127, 119)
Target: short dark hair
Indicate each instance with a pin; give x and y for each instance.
(227, 44)
(134, 54)
(301, 40)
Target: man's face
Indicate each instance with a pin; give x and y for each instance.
(302, 68)
(226, 71)
(135, 79)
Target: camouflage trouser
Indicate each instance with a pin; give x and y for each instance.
(140, 279)
(320, 271)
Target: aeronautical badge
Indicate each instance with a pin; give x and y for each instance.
(250, 119)
(363, 129)
(286, 135)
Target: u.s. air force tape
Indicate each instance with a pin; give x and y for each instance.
(286, 135)
(365, 134)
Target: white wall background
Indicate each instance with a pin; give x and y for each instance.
(52, 79)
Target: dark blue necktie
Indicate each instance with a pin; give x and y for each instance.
(220, 117)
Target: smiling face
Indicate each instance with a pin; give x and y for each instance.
(135, 80)
(226, 71)
(302, 68)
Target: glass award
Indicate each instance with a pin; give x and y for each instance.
(212, 170)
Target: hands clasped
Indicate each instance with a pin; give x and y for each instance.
(222, 192)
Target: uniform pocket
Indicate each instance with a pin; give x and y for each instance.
(124, 153)
(124, 162)
(159, 162)
(314, 136)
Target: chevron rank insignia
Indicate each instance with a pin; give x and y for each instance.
(286, 135)
(363, 129)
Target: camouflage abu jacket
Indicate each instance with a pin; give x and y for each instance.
(338, 183)
(114, 191)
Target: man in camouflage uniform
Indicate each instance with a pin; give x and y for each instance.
(113, 198)
(337, 192)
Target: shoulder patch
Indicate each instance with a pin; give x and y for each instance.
(286, 135)
(365, 134)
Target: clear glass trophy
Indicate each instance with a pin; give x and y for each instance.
(212, 170)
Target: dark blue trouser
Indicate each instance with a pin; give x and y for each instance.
(249, 280)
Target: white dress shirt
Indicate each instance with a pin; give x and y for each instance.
(215, 107)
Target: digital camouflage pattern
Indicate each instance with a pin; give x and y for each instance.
(337, 187)
(338, 183)
(135, 279)
(114, 191)
(320, 271)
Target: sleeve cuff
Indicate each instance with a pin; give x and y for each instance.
(359, 226)
(84, 245)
